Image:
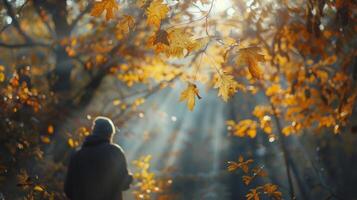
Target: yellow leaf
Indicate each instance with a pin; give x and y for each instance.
(251, 56)
(156, 12)
(105, 5)
(265, 124)
(124, 26)
(2, 77)
(180, 40)
(38, 188)
(71, 143)
(245, 127)
(189, 95)
(274, 89)
(45, 139)
(175, 43)
(226, 85)
(198, 44)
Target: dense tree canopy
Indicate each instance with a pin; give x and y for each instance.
(298, 57)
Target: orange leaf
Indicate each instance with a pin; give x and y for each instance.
(105, 5)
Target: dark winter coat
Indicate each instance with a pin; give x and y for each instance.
(97, 171)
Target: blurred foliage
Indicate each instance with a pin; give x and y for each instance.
(268, 189)
(300, 56)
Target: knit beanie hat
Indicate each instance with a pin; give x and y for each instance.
(103, 127)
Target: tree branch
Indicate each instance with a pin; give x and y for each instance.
(80, 16)
(38, 10)
(16, 23)
(24, 45)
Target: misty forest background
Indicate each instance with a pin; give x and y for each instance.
(227, 99)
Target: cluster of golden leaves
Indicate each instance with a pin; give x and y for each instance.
(225, 82)
(146, 71)
(17, 95)
(155, 12)
(248, 127)
(177, 42)
(146, 183)
(243, 128)
(77, 137)
(46, 138)
(250, 174)
(29, 183)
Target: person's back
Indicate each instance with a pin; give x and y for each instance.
(98, 170)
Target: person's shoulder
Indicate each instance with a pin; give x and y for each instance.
(116, 148)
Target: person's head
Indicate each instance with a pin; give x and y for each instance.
(103, 127)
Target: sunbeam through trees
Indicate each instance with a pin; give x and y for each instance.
(210, 99)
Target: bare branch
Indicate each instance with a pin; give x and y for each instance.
(79, 17)
(24, 45)
(16, 23)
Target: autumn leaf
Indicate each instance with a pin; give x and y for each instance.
(198, 44)
(258, 171)
(189, 95)
(180, 40)
(253, 195)
(244, 165)
(23, 179)
(226, 85)
(175, 43)
(247, 179)
(251, 57)
(274, 89)
(2, 77)
(38, 188)
(105, 5)
(71, 142)
(45, 139)
(124, 26)
(244, 128)
(156, 12)
(2, 74)
(265, 124)
(232, 166)
(272, 191)
(161, 37)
